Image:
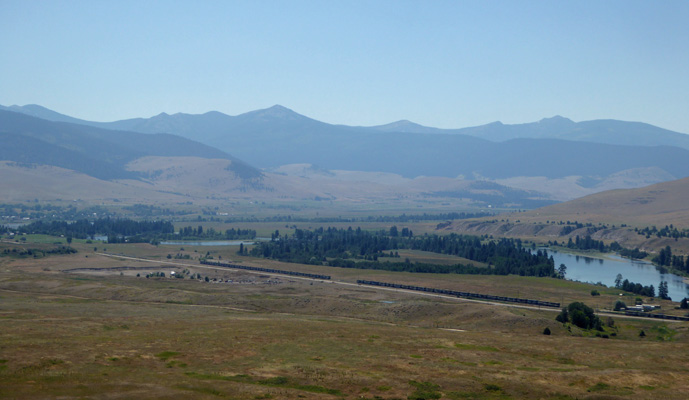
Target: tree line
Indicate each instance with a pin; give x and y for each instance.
(636, 288)
(84, 229)
(666, 231)
(356, 248)
(588, 243)
(665, 258)
(190, 232)
(36, 253)
(404, 218)
(120, 230)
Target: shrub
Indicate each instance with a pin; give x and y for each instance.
(492, 388)
(619, 305)
(580, 315)
(424, 391)
(594, 292)
(563, 316)
(546, 331)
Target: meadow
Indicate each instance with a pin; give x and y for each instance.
(108, 333)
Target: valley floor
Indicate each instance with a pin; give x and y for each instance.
(110, 334)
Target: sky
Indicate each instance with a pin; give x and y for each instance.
(447, 64)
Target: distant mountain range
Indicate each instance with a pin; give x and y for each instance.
(101, 153)
(279, 136)
(549, 156)
(214, 124)
(606, 131)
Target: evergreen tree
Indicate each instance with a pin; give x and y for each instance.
(562, 271)
(563, 316)
(683, 304)
(663, 291)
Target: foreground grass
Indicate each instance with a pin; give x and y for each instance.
(94, 336)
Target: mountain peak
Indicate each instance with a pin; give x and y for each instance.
(276, 112)
(406, 126)
(557, 119)
(278, 107)
(401, 124)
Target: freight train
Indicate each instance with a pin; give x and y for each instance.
(462, 294)
(270, 270)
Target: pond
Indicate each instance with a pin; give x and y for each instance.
(605, 270)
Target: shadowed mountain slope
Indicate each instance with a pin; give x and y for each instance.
(553, 148)
(97, 152)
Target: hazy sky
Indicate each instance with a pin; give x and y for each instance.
(447, 64)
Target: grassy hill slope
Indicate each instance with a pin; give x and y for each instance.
(660, 204)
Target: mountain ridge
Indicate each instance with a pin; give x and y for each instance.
(278, 136)
(98, 152)
(565, 128)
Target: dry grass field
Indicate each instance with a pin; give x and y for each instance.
(106, 333)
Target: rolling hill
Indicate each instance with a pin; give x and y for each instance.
(609, 216)
(660, 204)
(97, 152)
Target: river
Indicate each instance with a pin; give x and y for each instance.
(605, 270)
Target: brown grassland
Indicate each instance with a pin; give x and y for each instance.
(106, 333)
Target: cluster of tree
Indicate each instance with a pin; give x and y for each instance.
(404, 218)
(426, 217)
(408, 266)
(504, 256)
(665, 258)
(666, 231)
(120, 230)
(83, 228)
(581, 315)
(179, 256)
(37, 253)
(588, 243)
(146, 210)
(49, 211)
(243, 251)
(314, 247)
(634, 253)
(566, 230)
(405, 232)
(635, 288)
(190, 232)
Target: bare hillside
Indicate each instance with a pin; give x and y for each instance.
(660, 204)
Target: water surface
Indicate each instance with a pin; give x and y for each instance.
(605, 270)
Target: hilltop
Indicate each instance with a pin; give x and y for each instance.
(610, 216)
